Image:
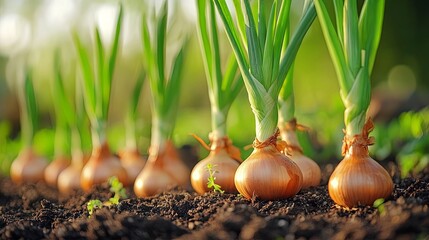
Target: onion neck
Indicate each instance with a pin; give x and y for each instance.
(357, 151)
(218, 122)
(266, 125)
(98, 133)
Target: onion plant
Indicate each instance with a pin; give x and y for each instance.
(257, 44)
(352, 44)
(63, 114)
(163, 168)
(73, 117)
(97, 81)
(223, 89)
(130, 156)
(28, 166)
(288, 126)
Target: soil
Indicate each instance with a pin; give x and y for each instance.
(36, 211)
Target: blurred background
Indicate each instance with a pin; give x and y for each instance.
(31, 30)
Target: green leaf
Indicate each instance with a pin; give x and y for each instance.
(100, 79)
(87, 78)
(136, 96)
(240, 20)
(160, 46)
(204, 40)
(233, 37)
(370, 27)
(334, 46)
(267, 65)
(294, 44)
(109, 72)
(30, 106)
(254, 49)
(338, 7)
(351, 36)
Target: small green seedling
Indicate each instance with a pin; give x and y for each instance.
(379, 204)
(92, 205)
(117, 188)
(211, 179)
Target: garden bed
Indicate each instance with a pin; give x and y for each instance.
(36, 211)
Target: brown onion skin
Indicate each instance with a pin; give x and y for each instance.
(28, 167)
(100, 167)
(54, 169)
(359, 180)
(163, 169)
(133, 162)
(69, 179)
(311, 174)
(225, 168)
(267, 174)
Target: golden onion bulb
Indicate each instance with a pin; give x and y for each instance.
(311, 174)
(224, 167)
(133, 162)
(100, 167)
(359, 180)
(54, 169)
(268, 174)
(163, 169)
(152, 180)
(28, 167)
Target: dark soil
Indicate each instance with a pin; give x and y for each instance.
(39, 212)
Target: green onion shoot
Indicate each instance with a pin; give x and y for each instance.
(288, 126)
(163, 168)
(352, 44)
(97, 81)
(130, 156)
(63, 114)
(28, 167)
(223, 89)
(257, 44)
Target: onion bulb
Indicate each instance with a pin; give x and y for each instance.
(54, 169)
(164, 169)
(358, 179)
(69, 179)
(28, 167)
(133, 162)
(268, 174)
(311, 173)
(223, 157)
(100, 167)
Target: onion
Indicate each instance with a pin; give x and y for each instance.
(133, 163)
(100, 167)
(268, 174)
(69, 179)
(223, 157)
(358, 179)
(54, 169)
(164, 169)
(311, 173)
(28, 167)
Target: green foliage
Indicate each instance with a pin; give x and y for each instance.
(97, 78)
(223, 88)
(258, 53)
(92, 205)
(211, 179)
(379, 204)
(117, 188)
(165, 89)
(353, 46)
(9, 148)
(407, 138)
